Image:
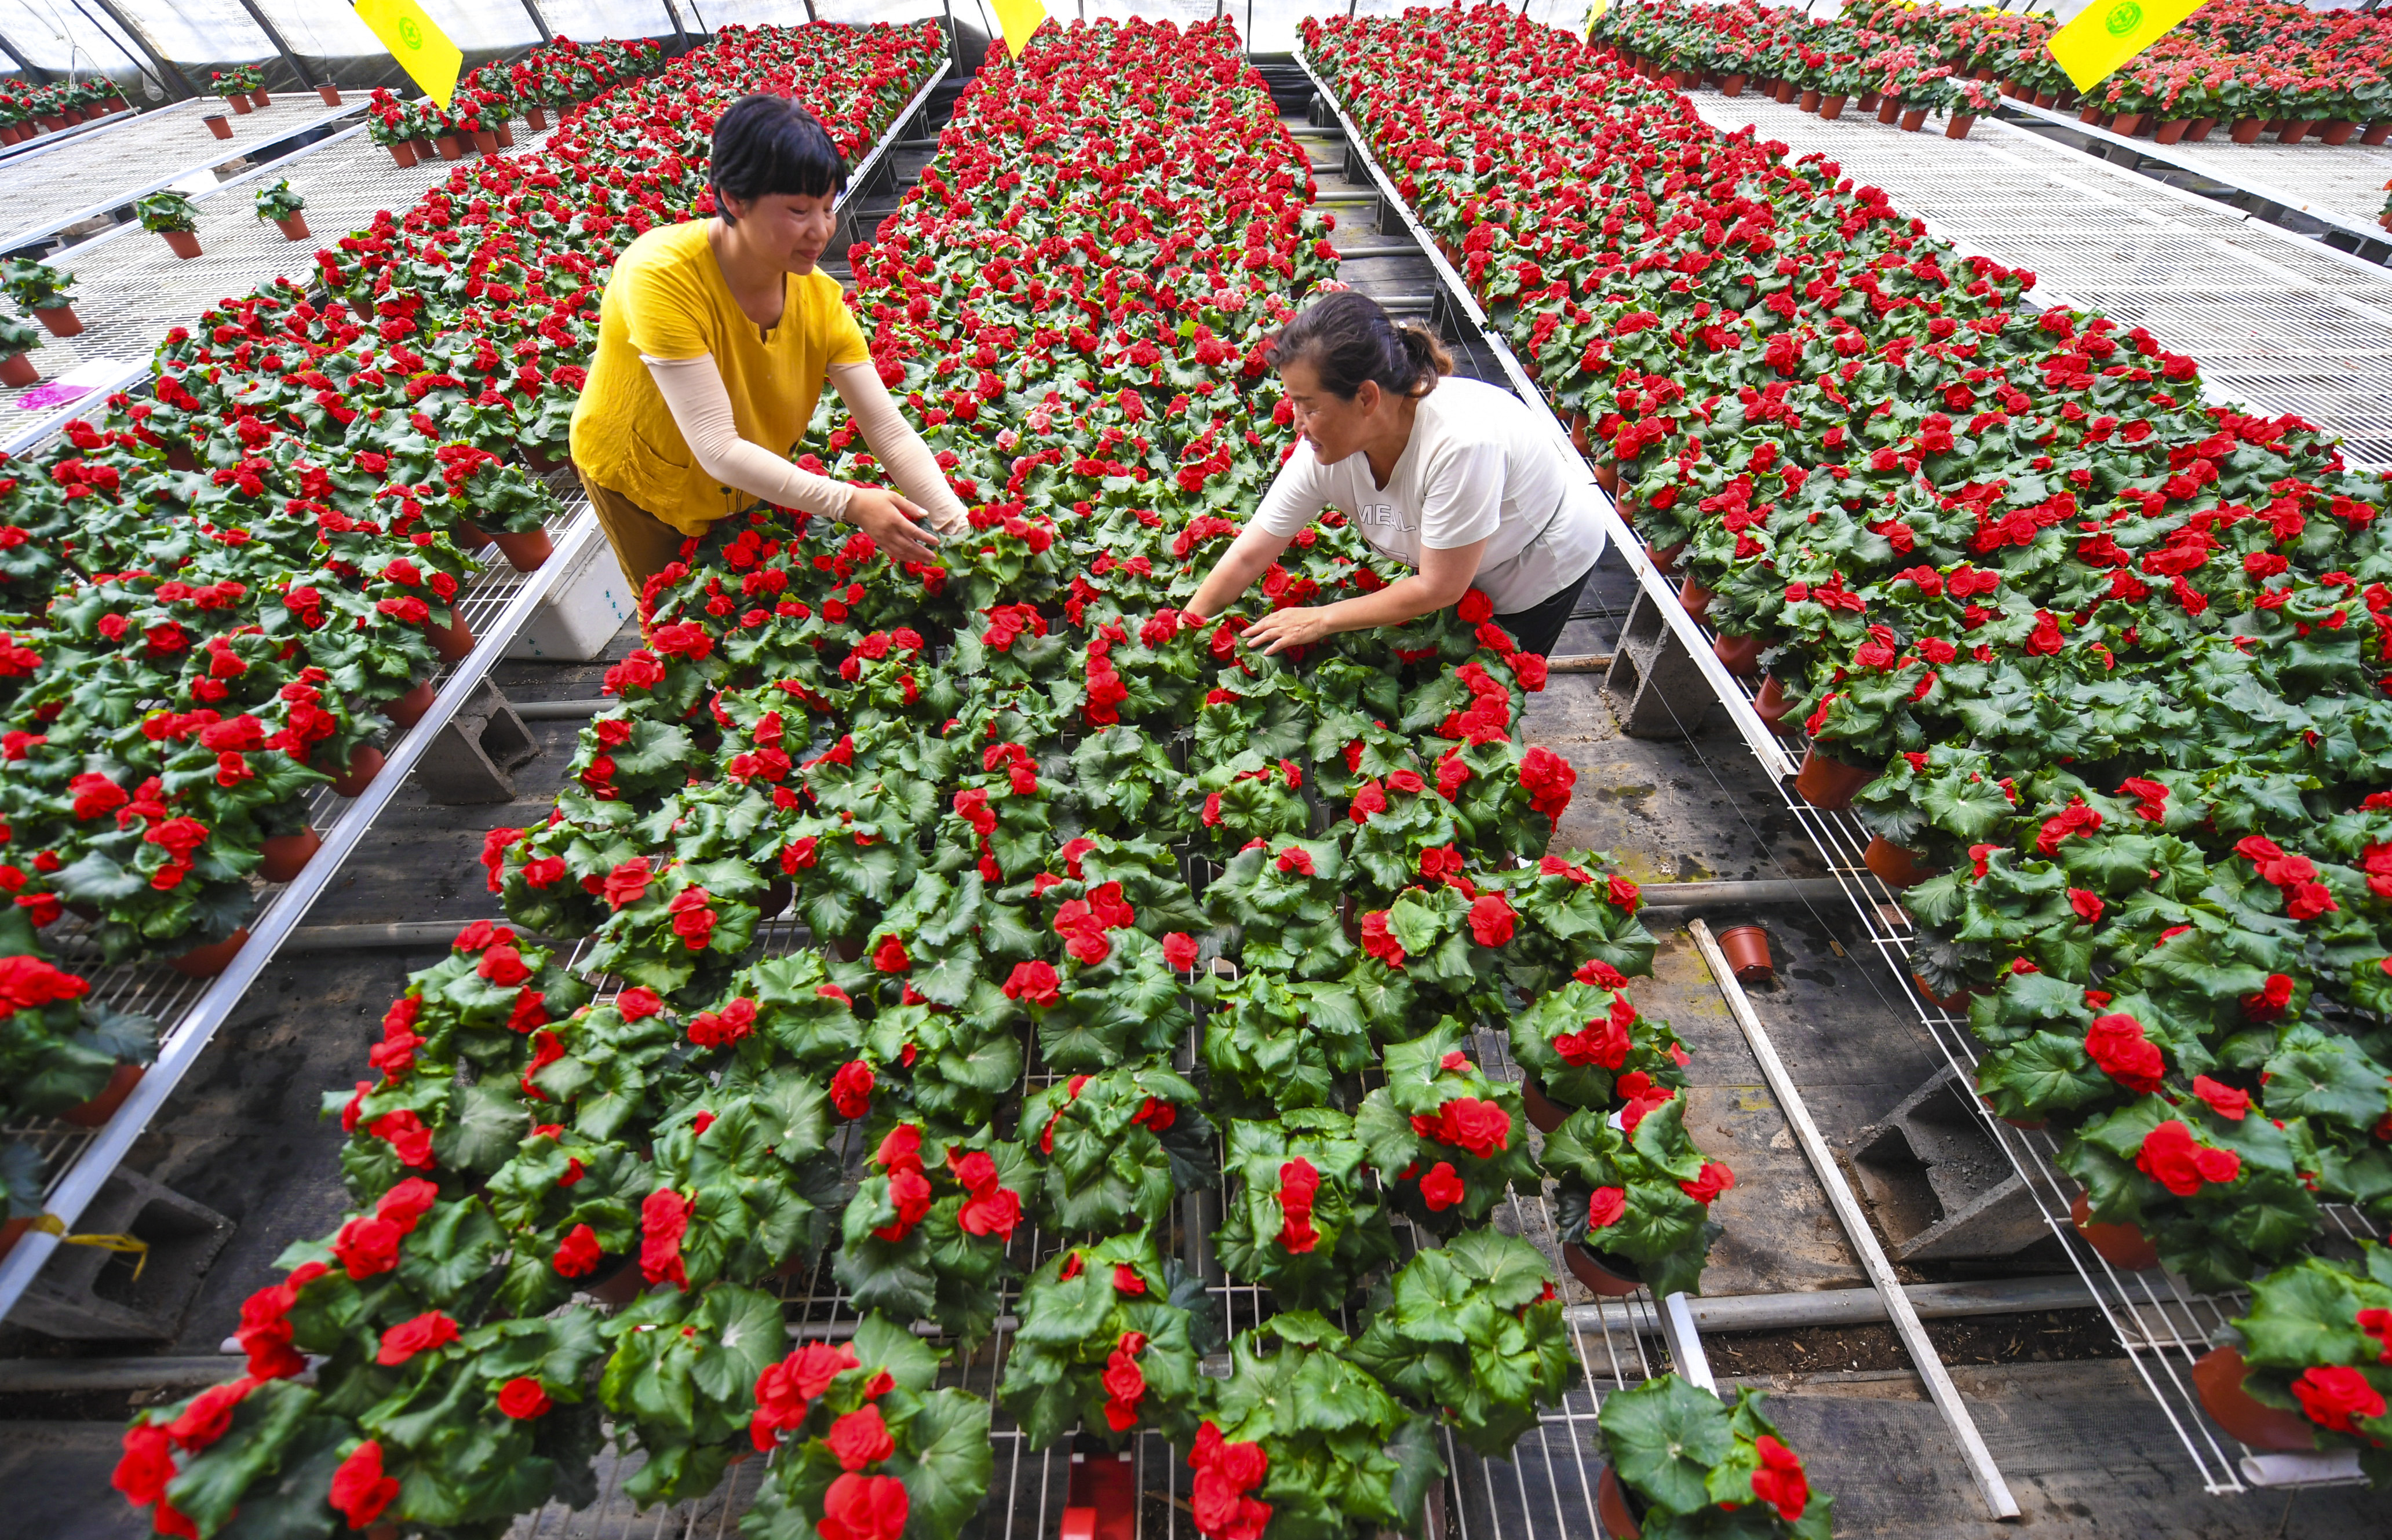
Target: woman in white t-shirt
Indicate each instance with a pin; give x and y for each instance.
(1453, 478)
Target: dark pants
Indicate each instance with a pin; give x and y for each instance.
(1536, 629)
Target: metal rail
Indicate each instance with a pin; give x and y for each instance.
(2163, 1324)
(12, 156)
(1848, 1213)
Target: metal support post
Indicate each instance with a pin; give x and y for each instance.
(34, 71)
(299, 81)
(166, 67)
(531, 9)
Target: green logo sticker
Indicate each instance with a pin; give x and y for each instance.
(412, 35)
(2123, 19)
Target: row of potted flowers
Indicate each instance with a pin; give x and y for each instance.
(972, 783)
(484, 104)
(29, 107)
(2097, 662)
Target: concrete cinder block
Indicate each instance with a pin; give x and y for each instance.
(473, 761)
(91, 1293)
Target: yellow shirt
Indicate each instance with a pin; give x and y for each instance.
(666, 299)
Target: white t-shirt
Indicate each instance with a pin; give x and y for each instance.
(1480, 467)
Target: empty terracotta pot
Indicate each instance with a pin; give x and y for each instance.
(1542, 1110)
(218, 124)
(1897, 866)
(260, 100)
(1747, 953)
(329, 94)
(1829, 784)
(293, 227)
(210, 960)
(2217, 1375)
(1740, 653)
(525, 552)
(96, 1112)
(286, 855)
(2124, 1247)
(365, 763)
(408, 709)
(1601, 1271)
(61, 321)
(453, 640)
(183, 243)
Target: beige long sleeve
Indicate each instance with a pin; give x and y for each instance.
(694, 391)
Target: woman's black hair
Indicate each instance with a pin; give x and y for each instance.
(1348, 339)
(770, 144)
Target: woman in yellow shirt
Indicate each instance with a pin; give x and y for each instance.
(714, 338)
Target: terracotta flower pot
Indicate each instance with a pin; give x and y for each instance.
(218, 124)
(1773, 707)
(450, 147)
(2377, 133)
(1740, 653)
(61, 321)
(1913, 120)
(260, 100)
(2217, 1375)
(2198, 130)
(96, 1112)
(1888, 111)
(2047, 100)
(506, 136)
(485, 142)
(2092, 113)
(1611, 1507)
(2171, 131)
(408, 709)
(1602, 1272)
(183, 243)
(1696, 597)
(210, 960)
(2246, 131)
(240, 104)
(1952, 1004)
(402, 152)
(1786, 92)
(180, 458)
(51, 120)
(330, 95)
(2124, 125)
(1665, 558)
(1579, 440)
(536, 118)
(1747, 953)
(287, 855)
(9, 1231)
(1831, 107)
(2337, 132)
(1868, 102)
(293, 227)
(365, 763)
(2124, 1247)
(453, 640)
(1607, 475)
(1959, 126)
(525, 552)
(1897, 866)
(1732, 86)
(617, 1285)
(2293, 131)
(1827, 783)
(18, 370)
(1809, 102)
(1542, 1110)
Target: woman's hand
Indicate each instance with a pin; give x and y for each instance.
(891, 521)
(1299, 626)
